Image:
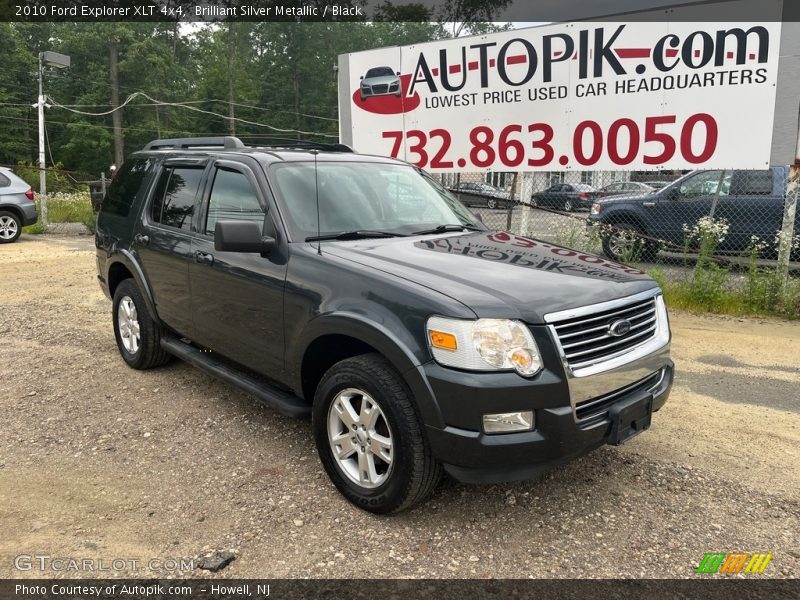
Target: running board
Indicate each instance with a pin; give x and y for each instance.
(284, 402)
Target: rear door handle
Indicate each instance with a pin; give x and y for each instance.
(141, 239)
(204, 258)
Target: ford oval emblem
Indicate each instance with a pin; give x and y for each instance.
(619, 328)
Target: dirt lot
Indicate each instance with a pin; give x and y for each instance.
(100, 461)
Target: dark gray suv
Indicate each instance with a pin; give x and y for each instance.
(358, 291)
(17, 208)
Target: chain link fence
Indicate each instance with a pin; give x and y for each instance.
(710, 233)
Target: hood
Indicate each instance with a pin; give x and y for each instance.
(499, 274)
(630, 197)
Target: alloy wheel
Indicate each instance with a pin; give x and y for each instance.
(360, 438)
(128, 323)
(8, 227)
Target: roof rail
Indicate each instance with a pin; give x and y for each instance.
(281, 142)
(226, 142)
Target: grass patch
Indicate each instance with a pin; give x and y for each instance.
(65, 208)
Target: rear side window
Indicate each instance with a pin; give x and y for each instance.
(173, 199)
(4, 181)
(752, 183)
(232, 198)
(123, 188)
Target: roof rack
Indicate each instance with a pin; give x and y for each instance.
(281, 142)
(226, 142)
(233, 143)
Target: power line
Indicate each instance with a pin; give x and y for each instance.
(149, 104)
(79, 124)
(187, 107)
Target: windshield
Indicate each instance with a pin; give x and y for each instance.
(380, 72)
(356, 196)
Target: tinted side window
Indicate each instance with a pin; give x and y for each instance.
(123, 188)
(232, 198)
(752, 183)
(173, 200)
(4, 181)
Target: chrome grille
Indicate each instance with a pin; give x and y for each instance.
(587, 339)
(380, 89)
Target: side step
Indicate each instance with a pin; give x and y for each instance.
(283, 402)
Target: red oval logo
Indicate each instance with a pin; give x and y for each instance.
(389, 104)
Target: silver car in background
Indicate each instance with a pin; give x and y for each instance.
(380, 81)
(17, 207)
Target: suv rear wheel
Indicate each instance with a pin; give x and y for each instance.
(369, 437)
(10, 227)
(138, 335)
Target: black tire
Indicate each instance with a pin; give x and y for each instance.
(491, 203)
(414, 472)
(12, 227)
(148, 353)
(638, 248)
(568, 206)
(534, 202)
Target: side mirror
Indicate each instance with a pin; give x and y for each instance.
(241, 236)
(362, 77)
(397, 73)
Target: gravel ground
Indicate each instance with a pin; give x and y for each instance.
(100, 461)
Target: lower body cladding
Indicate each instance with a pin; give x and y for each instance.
(567, 422)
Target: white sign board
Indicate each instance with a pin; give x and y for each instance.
(585, 96)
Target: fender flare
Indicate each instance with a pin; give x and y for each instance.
(400, 354)
(125, 258)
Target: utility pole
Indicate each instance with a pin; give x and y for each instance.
(42, 166)
(46, 59)
(786, 239)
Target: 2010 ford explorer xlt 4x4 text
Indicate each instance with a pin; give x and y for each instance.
(357, 290)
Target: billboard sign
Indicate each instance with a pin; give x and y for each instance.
(585, 96)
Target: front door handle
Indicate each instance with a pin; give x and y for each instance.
(648, 203)
(141, 239)
(204, 258)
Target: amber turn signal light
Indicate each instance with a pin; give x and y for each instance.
(445, 341)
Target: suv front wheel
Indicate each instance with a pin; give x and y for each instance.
(138, 335)
(626, 242)
(369, 437)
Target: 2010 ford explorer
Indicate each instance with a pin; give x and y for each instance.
(357, 290)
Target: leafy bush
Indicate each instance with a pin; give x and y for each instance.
(74, 207)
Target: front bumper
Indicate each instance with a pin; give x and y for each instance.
(474, 457)
(570, 402)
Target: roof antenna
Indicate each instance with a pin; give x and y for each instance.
(316, 189)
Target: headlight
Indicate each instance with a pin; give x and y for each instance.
(596, 208)
(483, 345)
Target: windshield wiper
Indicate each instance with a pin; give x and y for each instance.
(359, 234)
(448, 227)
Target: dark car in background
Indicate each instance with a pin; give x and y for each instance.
(479, 193)
(623, 188)
(565, 196)
(17, 207)
(750, 202)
